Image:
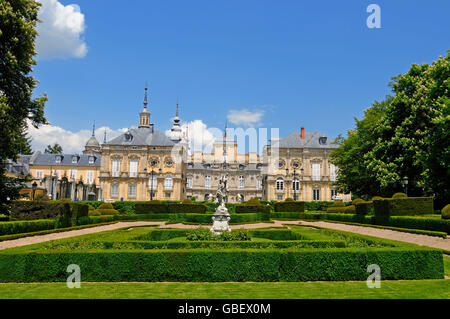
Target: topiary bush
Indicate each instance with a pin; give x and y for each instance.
(399, 195)
(187, 201)
(289, 199)
(357, 200)
(376, 198)
(253, 201)
(446, 212)
(289, 206)
(106, 206)
(338, 204)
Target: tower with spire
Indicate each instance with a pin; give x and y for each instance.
(144, 115)
(175, 131)
(92, 145)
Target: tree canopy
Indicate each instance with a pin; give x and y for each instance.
(18, 20)
(407, 135)
(54, 149)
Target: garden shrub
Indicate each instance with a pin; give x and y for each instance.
(4, 218)
(399, 195)
(363, 208)
(106, 206)
(29, 210)
(26, 226)
(104, 211)
(376, 198)
(446, 212)
(94, 213)
(253, 201)
(357, 200)
(79, 210)
(151, 207)
(404, 206)
(289, 206)
(318, 205)
(212, 265)
(289, 199)
(187, 201)
(246, 209)
(204, 234)
(338, 204)
(93, 203)
(186, 209)
(285, 215)
(65, 219)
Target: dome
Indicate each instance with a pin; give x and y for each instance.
(92, 142)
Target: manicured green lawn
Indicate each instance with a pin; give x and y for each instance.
(447, 265)
(277, 290)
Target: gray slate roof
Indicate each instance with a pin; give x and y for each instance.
(142, 136)
(50, 159)
(21, 166)
(311, 140)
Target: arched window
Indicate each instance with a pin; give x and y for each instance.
(280, 184)
(152, 182)
(296, 185)
(168, 182)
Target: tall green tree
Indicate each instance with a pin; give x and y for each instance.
(411, 139)
(54, 149)
(18, 20)
(24, 145)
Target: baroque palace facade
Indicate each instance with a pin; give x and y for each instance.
(144, 164)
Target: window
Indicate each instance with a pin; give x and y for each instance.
(332, 172)
(296, 185)
(57, 159)
(279, 197)
(316, 194)
(73, 174)
(280, 184)
(168, 182)
(207, 181)
(90, 177)
(189, 182)
(39, 174)
(167, 195)
(152, 182)
(169, 162)
(131, 190)
(74, 159)
(333, 193)
(259, 184)
(241, 183)
(133, 168)
(316, 171)
(114, 190)
(115, 168)
(91, 159)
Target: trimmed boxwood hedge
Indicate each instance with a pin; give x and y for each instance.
(26, 226)
(215, 265)
(285, 215)
(29, 210)
(407, 206)
(187, 209)
(246, 209)
(292, 206)
(151, 208)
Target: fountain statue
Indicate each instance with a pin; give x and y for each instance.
(221, 217)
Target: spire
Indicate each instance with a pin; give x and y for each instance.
(145, 96)
(176, 113)
(104, 138)
(93, 129)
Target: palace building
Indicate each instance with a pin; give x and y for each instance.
(144, 164)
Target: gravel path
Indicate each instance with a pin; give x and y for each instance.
(423, 240)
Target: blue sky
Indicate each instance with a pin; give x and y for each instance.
(282, 64)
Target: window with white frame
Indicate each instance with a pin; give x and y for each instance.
(280, 184)
(333, 172)
(333, 193)
(73, 174)
(189, 182)
(74, 159)
(259, 184)
(114, 190)
(90, 177)
(316, 194)
(58, 159)
(132, 190)
(39, 174)
(207, 181)
(241, 182)
(115, 168)
(133, 168)
(152, 182)
(316, 171)
(91, 159)
(168, 182)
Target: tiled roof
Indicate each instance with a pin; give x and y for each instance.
(311, 140)
(142, 136)
(21, 166)
(66, 160)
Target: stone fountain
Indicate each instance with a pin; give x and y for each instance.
(221, 217)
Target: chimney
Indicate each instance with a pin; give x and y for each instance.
(302, 134)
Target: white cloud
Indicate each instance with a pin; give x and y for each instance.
(71, 142)
(60, 31)
(245, 117)
(200, 137)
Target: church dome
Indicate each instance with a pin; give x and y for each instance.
(92, 142)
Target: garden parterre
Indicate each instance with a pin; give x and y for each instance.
(147, 254)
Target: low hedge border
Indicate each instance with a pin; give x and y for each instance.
(405, 222)
(51, 231)
(221, 265)
(405, 230)
(285, 215)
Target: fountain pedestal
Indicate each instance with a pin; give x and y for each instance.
(220, 218)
